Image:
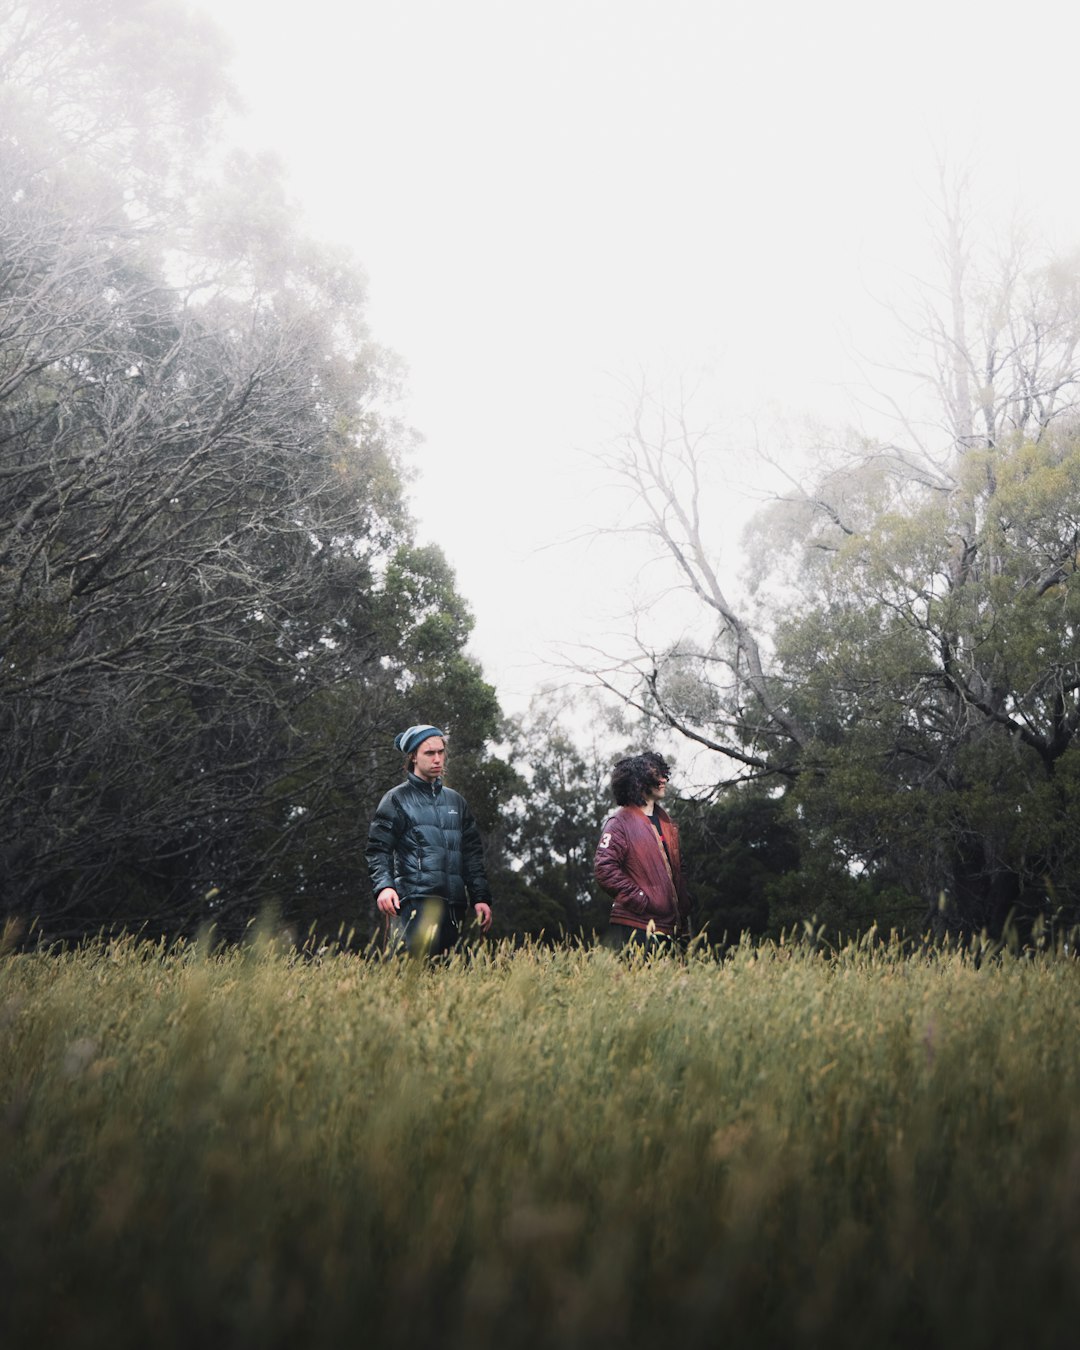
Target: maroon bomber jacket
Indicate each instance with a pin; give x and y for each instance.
(631, 867)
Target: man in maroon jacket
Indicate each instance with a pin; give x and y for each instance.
(637, 860)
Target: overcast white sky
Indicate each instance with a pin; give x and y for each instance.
(548, 196)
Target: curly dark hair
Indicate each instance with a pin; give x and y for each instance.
(659, 765)
(636, 776)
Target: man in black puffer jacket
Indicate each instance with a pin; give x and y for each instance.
(424, 852)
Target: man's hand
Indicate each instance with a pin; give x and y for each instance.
(483, 915)
(389, 903)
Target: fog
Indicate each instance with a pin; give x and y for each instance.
(554, 200)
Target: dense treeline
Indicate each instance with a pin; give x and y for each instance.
(213, 614)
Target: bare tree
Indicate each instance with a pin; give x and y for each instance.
(660, 461)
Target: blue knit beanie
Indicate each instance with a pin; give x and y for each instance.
(407, 741)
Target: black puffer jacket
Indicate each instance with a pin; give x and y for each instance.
(424, 841)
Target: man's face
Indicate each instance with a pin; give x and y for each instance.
(430, 759)
(658, 786)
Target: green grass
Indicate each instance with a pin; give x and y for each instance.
(547, 1147)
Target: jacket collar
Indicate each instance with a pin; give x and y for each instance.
(424, 785)
(657, 810)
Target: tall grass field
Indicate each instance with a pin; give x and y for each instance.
(539, 1147)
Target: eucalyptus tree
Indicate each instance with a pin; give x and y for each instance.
(204, 636)
(901, 662)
